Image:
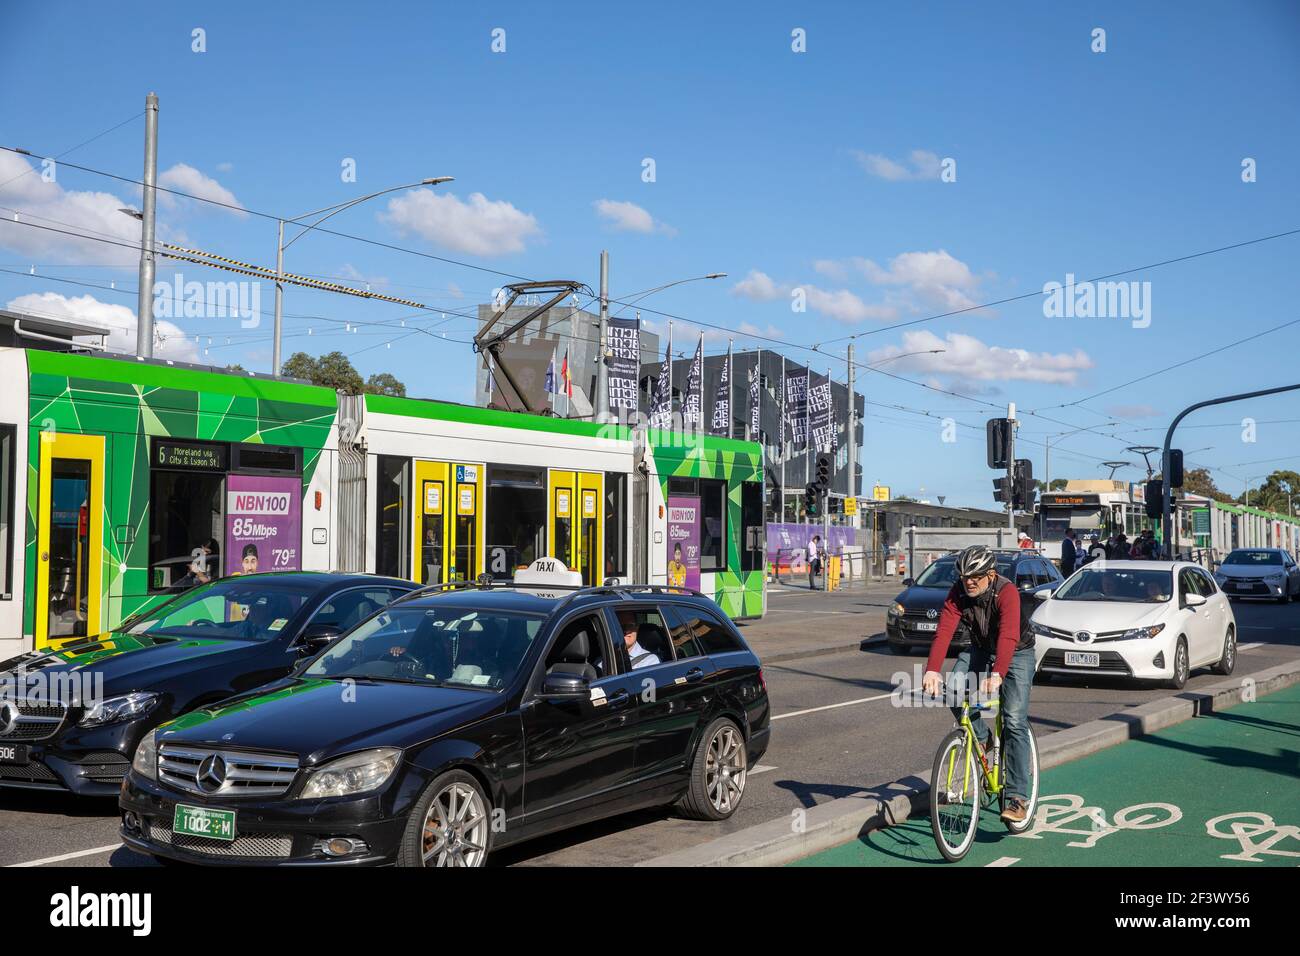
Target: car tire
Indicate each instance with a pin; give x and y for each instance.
(720, 759)
(1182, 666)
(1228, 662)
(461, 807)
(899, 648)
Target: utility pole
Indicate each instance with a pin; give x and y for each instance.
(144, 310)
(602, 383)
(1011, 465)
(781, 515)
(670, 374)
(731, 394)
(853, 432)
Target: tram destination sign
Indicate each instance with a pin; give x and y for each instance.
(200, 456)
(1067, 500)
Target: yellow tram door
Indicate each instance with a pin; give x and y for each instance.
(447, 522)
(69, 537)
(575, 522)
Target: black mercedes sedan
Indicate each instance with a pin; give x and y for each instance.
(458, 722)
(72, 714)
(913, 619)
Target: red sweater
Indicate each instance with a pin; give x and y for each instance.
(1008, 614)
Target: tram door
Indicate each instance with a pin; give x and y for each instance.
(575, 513)
(448, 522)
(69, 537)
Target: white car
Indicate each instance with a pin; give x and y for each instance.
(1259, 572)
(1150, 620)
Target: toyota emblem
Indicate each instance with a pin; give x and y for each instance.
(1083, 637)
(8, 717)
(932, 614)
(212, 773)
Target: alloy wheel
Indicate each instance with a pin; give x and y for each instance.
(455, 831)
(725, 769)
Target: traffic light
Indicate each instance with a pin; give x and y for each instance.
(1175, 468)
(812, 499)
(998, 432)
(1024, 485)
(824, 470)
(1154, 495)
(1001, 489)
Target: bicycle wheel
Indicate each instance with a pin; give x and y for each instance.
(1028, 821)
(955, 788)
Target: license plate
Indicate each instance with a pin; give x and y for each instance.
(927, 626)
(13, 753)
(203, 822)
(1077, 659)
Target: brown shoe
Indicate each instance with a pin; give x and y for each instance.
(1015, 810)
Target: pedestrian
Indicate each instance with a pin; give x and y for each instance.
(1069, 553)
(1026, 542)
(814, 561)
(1096, 550)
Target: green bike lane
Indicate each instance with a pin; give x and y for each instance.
(1222, 790)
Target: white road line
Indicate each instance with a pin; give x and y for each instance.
(847, 703)
(1003, 861)
(791, 610)
(759, 768)
(68, 856)
(1251, 646)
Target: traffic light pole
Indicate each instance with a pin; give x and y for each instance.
(1166, 522)
(1011, 465)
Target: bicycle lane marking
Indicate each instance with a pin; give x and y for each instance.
(1213, 791)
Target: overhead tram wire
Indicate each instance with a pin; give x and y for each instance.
(72, 149)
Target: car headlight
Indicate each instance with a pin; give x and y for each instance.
(897, 610)
(1042, 629)
(145, 761)
(1276, 578)
(118, 708)
(1142, 633)
(356, 773)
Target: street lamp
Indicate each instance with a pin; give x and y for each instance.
(893, 358)
(636, 297)
(329, 211)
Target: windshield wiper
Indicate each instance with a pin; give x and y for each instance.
(387, 679)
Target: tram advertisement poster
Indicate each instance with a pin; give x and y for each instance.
(624, 366)
(263, 524)
(684, 542)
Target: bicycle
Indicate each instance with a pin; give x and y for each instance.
(966, 778)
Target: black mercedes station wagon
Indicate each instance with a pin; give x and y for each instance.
(456, 722)
(73, 713)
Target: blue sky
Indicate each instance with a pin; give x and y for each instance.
(813, 171)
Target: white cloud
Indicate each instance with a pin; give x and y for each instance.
(966, 358)
(629, 217)
(225, 167)
(843, 306)
(831, 269)
(935, 277)
(185, 178)
(480, 227)
(759, 287)
(771, 332)
(169, 340)
(49, 205)
(920, 164)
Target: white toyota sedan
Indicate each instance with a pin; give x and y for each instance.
(1260, 572)
(1150, 620)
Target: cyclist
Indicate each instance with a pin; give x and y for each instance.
(989, 607)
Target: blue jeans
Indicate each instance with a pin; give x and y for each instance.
(1015, 710)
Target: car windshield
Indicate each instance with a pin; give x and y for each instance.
(451, 646)
(943, 574)
(1123, 586)
(1254, 559)
(251, 608)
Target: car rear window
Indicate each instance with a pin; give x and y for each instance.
(682, 634)
(714, 636)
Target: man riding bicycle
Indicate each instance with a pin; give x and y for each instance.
(989, 607)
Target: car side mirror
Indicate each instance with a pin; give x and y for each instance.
(1194, 600)
(565, 686)
(1043, 592)
(316, 636)
(908, 582)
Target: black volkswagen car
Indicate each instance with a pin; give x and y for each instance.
(913, 618)
(457, 722)
(75, 712)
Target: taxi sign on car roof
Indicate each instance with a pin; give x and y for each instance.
(548, 571)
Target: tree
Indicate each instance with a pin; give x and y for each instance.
(1198, 481)
(385, 383)
(336, 371)
(236, 368)
(1058, 484)
(1275, 493)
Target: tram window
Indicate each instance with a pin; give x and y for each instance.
(186, 529)
(713, 524)
(268, 458)
(392, 519)
(7, 433)
(752, 557)
(516, 518)
(683, 486)
(615, 523)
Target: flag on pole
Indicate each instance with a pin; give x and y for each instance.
(661, 405)
(564, 375)
(693, 403)
(550, 375)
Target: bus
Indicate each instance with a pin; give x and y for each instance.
(123, 481)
